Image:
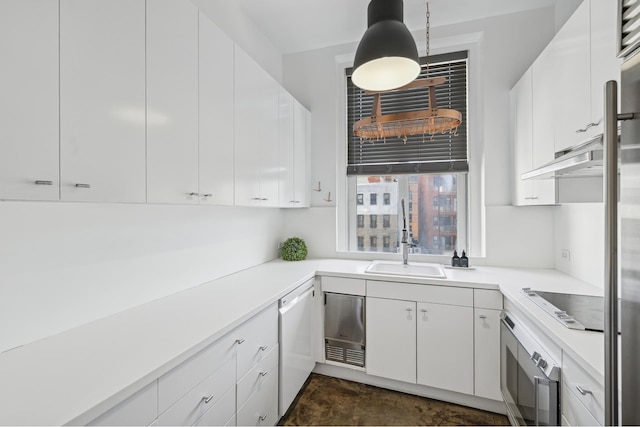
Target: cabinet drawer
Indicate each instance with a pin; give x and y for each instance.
(343, 285)
(261, 409)
(177, 382)
(222, 412)
(573, 412)
(575, 378)
(188, 409)
(139, 409)
(421, 293)
(257, 377)
(485, 298)
(256, 338)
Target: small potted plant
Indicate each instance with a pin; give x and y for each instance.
(294, 249)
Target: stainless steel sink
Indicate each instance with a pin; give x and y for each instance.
(397, 268)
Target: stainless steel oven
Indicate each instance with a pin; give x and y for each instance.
(529, 376)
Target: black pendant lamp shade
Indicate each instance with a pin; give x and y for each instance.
(387, 57)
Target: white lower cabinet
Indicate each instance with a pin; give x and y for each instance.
(487, 353)
(138, 410)
(201, 398)
(391, 339)
(437, 336)
(445, 347)
(222, 413)
(261, 409)
(582, 395)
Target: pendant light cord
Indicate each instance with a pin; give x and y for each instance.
(428, 16)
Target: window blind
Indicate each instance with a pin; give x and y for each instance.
(442, 153)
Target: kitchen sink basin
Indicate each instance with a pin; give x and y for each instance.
(397, 268)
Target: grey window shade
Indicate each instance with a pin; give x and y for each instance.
(444, 153)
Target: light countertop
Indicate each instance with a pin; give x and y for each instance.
(81, 373)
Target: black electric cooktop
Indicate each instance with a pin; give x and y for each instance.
(585, 312)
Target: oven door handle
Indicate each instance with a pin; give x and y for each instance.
(536, 382)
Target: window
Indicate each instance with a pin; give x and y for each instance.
(361, 243)
(373, 240)
(360, 221)
(360, 199)
(429, 173)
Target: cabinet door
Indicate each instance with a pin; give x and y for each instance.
(605, 65)
(256, 131)
(29, 149)
(216, 115)
(172, 102)
(286, 150)
(301, 163)
(487, 353)
(572, 79)
(543, 120)
(523, 134)
(445, 347)
(391, 339)
(102, 100)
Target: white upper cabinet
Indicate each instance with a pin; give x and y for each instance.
(522, 107)
(102, 100)
(294, 152)
(572, 79)
(215, 115)
(256, 134)
(605, 65)
(585, 59)
(29, 100)
(172, 102)
(543, 122)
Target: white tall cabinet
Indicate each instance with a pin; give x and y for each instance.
(102, 100)
(256, 110)
(172, 102)
(216, 137)
(29, 100)
(293, 151)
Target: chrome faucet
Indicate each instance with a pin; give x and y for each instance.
(405, 238)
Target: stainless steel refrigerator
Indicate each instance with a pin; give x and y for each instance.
(622, 207)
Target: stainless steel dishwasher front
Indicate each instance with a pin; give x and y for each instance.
(344, 329)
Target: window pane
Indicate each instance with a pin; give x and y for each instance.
(431, 212)
(373, 199)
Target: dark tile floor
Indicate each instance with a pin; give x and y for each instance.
(332, 401)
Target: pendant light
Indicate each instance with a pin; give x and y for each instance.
(423, 122)
(387, 57)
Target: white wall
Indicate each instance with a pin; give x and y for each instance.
(510, 44)
(65, 264)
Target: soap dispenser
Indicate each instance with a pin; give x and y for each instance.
(464, 261)
(455, 259)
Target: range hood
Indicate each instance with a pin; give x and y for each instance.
(584, 160)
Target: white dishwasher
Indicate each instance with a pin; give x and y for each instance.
(296, 342)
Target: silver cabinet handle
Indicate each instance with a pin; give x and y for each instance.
(483, 316)
(583, 391)
(264, 200)
(424, 310)
(264, 347)
(39, 182)
(409, 309)
(263, 417)
(264, 373)
(256, 198)
(83, 185)
(207, 399)
(194, 194)
(207, 195)
(240, 341)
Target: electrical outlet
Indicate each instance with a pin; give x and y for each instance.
(565, 254)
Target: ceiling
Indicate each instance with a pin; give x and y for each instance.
(301, 25)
